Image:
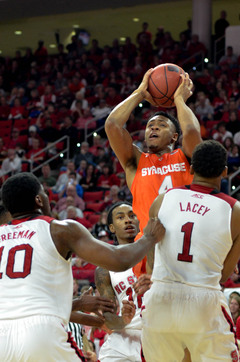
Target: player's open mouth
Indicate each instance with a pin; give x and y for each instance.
(130, 228)
(153, 135)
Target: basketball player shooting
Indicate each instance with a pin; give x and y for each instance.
(152, 173)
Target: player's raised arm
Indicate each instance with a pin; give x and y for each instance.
(119, 138)
(71, 237)
(188, 121)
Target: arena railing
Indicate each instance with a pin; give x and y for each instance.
(189, 61)
(56, 153)
(89, 134)
(217, 49)
(232, 189)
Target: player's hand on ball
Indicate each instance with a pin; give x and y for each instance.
(143, 88)
(128, 311)
(184, 91)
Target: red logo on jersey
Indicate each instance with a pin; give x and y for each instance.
(234, 356)
(17, 227)
(198, 196)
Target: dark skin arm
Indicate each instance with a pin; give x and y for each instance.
(93, 304)
(87, 319)
(188, 121)
(234, 253)
(104, 286)
(71, 237)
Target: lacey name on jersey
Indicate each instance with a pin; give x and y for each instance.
(25, 234)
(176, 167)
(120, 287)
(195, 208)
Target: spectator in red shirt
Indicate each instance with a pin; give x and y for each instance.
(113, 98)
(41, 53)
(38, 159)
(17, 111)
(107, 179)
(4, 108)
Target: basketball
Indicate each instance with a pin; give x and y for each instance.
(163, 82)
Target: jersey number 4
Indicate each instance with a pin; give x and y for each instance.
(185, 254)
(11, 257)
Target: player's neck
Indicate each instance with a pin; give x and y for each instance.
(214, 183)
(125, 241)
(159, 153)
(26, 215)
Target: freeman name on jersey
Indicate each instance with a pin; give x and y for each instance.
(176, 167)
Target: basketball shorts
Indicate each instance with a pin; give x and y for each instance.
(177, 316)
(35, 339)
(121, 347)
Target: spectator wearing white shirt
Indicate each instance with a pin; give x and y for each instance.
(12, 164)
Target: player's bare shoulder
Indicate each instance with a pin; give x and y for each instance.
(235, 225)
(64, 233)
(154, 209)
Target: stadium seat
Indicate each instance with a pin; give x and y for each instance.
(94, 206)
(93, 196)
(94, 218)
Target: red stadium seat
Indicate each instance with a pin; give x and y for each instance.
(93, 196)
(94, 206)
(94, 218)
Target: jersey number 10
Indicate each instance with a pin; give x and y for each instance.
(27, 262)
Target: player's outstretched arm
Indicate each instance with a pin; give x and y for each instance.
(71, 237)
(104, 286)
(87, 319)
(119, 138)
(188, 121)
(234, 253)
(87, 302)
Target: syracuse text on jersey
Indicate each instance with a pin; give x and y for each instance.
(176, 167)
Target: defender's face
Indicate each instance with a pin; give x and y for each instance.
(159, 133)
(125, 223)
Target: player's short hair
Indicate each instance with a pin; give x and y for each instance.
(19, 192)
(110, 211)
(209, 159)
(172, 119)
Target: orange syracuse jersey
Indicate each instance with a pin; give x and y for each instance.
(156, 174)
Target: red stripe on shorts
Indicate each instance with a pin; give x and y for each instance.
(231, 324)
(75, 347)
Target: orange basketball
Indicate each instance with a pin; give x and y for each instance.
(163, 82)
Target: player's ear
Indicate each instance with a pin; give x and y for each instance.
(191, 170)
(38, 200)
(174, 137)
(111, 228)
(225, 172)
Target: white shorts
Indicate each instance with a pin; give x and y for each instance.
(177, 316)
(121, 347)
(35, 339)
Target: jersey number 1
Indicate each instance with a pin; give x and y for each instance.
(187, 230)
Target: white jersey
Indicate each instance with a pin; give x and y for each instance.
(198, 236)
(122, 285)
(34, 277)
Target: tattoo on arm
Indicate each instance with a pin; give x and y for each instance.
(104, 286)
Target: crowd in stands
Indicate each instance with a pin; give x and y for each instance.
(44, 97)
